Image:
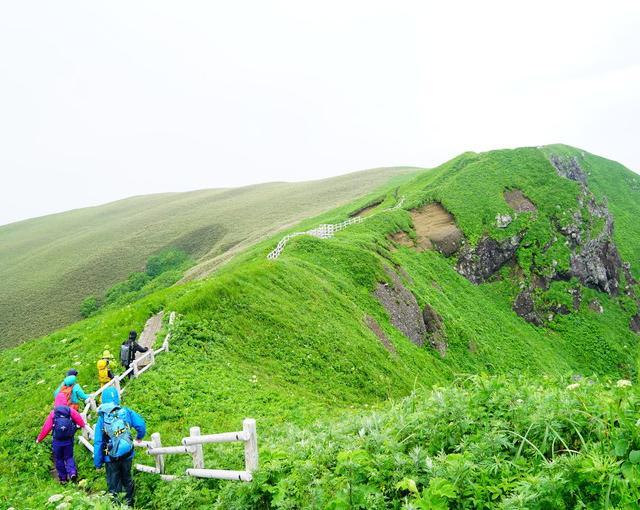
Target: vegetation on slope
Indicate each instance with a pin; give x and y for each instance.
(287, 342)
(49, 265)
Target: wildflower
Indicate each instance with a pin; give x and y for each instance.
(78, 363)
(55, 498)
(15, 360)
(519, 401)
(623, 383)
(573, 386)
(41, 381)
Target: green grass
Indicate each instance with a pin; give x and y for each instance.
(49, 265)
(285, 342)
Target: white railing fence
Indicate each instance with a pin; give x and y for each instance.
(91, 406)
(192, 445)
(324, 231)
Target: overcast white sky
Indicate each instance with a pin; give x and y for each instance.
(104, 100)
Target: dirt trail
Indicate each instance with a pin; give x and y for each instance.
(148, 336)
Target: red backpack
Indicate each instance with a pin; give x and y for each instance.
(67, 391)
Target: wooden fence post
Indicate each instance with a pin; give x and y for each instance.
(156, 443)
(117, 385)
(198, 453)
(250, 445)
(135, 368)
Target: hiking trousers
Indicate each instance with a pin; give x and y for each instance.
(63, 459)
(120, 479)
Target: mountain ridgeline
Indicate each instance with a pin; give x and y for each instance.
(503, 278)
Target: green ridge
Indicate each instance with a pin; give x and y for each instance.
(286, 342)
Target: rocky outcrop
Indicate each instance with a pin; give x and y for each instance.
(635, 323)
(597, 265)
(405, 314)
(435, 333)
(569, 169)
(481, 262)
(503, 220)
(524, 306)
(595, 260)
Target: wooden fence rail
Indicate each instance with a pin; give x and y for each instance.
(324, 231)
(192, 445)
(91, 406)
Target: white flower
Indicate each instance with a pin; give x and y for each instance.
(623, 383)
(15, 360)
(55, 497)
(519, 401)
(63, 341)
(41, 381)
(573, 386)
(78, 363)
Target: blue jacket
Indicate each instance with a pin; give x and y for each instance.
(110, 400)
(77, 393)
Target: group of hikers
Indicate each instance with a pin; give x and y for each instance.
(113, 442)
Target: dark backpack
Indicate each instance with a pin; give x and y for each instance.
(63, 425)
(125, 352)
(115, 427)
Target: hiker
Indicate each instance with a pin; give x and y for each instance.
(104, 368)
(64, 421)
(72, 390)
(113, 443)
(128, 351)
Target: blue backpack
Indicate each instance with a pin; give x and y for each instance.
(116, 428)
(63, 425)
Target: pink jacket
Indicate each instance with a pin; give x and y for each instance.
(60, 400)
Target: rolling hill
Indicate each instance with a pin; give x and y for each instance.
(48, 265)
(458, 348)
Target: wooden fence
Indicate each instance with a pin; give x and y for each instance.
(324, 231)
(190, 445)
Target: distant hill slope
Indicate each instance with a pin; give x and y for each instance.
(48, 265)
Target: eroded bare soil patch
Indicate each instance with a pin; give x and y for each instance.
(436, 229)
(518, 202)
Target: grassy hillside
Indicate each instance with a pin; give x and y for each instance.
(49, 265)
(291, 343)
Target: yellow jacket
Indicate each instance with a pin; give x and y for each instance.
(104, 371)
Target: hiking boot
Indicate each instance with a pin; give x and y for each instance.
(73, 479)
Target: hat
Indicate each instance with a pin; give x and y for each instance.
(72, 371)
(132, 335)
(107, 354)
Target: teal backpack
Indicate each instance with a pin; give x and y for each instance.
(115, 427)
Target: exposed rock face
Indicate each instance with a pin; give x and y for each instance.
(597, 265)
(635, 323)
(405, 314)
(403, 309)
(595, 261)
(569, 168)
(524, 306)
(480, 263)
(433, 325)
